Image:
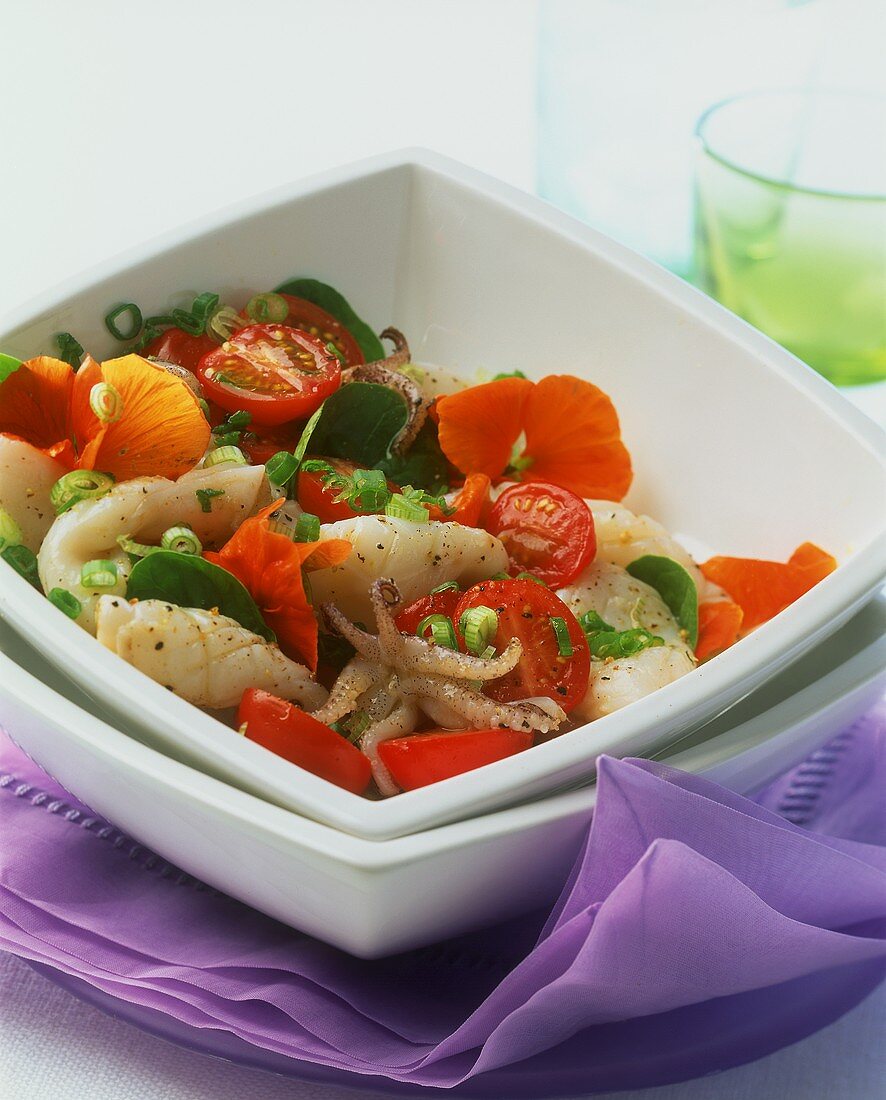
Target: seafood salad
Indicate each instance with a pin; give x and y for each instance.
(375, 569)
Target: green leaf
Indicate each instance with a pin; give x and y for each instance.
(8, 365)
(423, 465)
(675, 587)
(333, 302)
(189, 581)
(305, 438)
(360, 422)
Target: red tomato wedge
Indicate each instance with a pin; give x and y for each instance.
(525, 610)
(177, 346)
(316, 498)
(285, 729)
(312, 319)
(429, 757)
(547, 531)
(276, 373)
(435, 603)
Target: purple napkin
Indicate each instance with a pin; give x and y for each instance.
(692, 912)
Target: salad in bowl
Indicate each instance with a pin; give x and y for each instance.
(385, 573)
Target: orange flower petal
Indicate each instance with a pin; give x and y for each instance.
(719, 623)
(763, 588)
(468, 502)
(161, 431)
(34, 401)
(480, 425)
(574, 439)
(270, 566)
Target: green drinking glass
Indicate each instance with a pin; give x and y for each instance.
(790, 223)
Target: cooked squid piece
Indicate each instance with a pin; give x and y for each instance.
(205, 658)
(622, 537)
(143, 509)
(417, 556)
(624, 603)
(26, 477)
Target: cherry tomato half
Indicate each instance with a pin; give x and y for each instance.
(524, 611)
(274, 372)
(435, 603)
(547, 531)
(310, 318)
(316, 498)
(177, 346)
(285, 729)
(439, 754)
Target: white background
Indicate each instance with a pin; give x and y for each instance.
(119, 121)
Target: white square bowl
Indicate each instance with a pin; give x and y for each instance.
(374, 898)
(737, 446)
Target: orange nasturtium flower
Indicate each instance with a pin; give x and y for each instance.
(570, 427)
(763, 588)
(270, 566)
(125, 417)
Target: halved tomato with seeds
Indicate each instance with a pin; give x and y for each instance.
(525, 610)
(276, 373)
(310, 318)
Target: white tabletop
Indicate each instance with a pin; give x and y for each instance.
(120, 121)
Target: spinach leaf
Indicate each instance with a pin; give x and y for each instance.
(423, 465)
(359, 422)
(8, 365)
(189, 581)
(675, 587)
(330, 300)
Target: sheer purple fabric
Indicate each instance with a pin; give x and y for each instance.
(692, 917)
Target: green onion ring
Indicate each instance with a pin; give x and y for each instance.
(225, 454)
(79, 485)
(182, 540)
(561, 633)
(307, 528)
(442, 630)
(10, 532)
(66, 602)
(478, 626)
(131, 310)
(280, 467)
(270, 308)
(106, 402)
(398, 507)
(98, 573)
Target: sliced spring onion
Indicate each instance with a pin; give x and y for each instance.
(441, 628)
(202, 308)
(23, 561)
(204, 496)
(98, 573)
(182, 540)
(227, 439)
(137, 549)
(591, 622)
(125, 309)
(224, 323)
(225, 454)
(524, 576)
(204, 407)
(561, 633)
(371, 490)
(66, 602)
(69, 349)
(307, 528)
(398, 507)
(333, 350)
(354, 726)
(280, 467)
(267, 308)
(10, 532)
(235, 422)
(488, 652)
(478, 626)
(106, 402)
(79, 485)
(621, 643)
(446, 586)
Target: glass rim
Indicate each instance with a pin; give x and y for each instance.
(775, 181)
